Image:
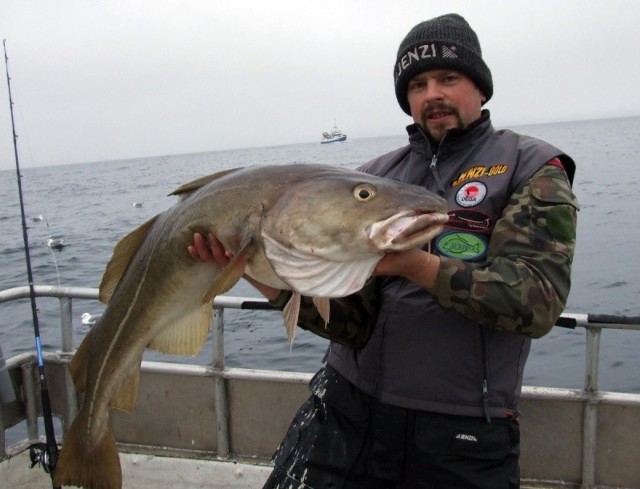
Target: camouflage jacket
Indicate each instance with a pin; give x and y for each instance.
(513, 222)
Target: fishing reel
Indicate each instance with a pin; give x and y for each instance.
(39, 454)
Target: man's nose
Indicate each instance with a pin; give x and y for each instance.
(432, 92)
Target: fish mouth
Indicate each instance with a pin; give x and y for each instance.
(406, 230)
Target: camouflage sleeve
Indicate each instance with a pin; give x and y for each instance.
(524, 282)
(352, 318)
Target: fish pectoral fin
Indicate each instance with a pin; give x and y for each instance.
(229, 275)
(125, 397)
(187, 335)
(315, 276)
(123, 252)
(290, 313)
(323, 306)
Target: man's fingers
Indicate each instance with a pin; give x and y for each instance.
(209, 249)
(192, 251)
(216, 250)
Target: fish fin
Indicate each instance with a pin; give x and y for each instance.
(96, 467)
(187, 335)
(229, 275)
(79, 364)
(193, 185)
(290, 313)
(315, 276)
(123, 252)
(322, 305)
(125, 397)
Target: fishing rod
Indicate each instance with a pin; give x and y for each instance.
(45, 454)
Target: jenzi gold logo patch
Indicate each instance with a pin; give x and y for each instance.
(476, 172)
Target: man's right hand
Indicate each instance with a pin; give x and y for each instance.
(209, 249)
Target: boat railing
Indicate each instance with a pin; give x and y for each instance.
(589, 394)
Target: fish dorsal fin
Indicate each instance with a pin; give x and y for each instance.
(187, 335)
(123, 252)
(290, 313)
(125, 397)
(314, 276)
(193, 185)
(322, 305)
(229, 275)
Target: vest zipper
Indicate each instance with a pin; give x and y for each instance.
(436, 175)
(485, 373)
(434, 161)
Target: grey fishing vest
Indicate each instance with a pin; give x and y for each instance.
(421, 356)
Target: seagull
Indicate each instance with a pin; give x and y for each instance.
(90, 319)
(56, 242)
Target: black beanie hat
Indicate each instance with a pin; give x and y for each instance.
(447, 41)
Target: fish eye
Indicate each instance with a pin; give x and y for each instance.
(364, 192)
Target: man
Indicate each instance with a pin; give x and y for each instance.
(425, 366)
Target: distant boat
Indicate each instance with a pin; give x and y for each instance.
(335, 135)
(137, 204)
(55, 242)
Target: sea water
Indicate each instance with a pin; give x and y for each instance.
(93, 205)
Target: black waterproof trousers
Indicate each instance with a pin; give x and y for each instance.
(342, 438)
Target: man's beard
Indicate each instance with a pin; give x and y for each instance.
(437, 131)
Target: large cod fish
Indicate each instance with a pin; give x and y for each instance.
(316, 230)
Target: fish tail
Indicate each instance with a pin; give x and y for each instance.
(96, 467)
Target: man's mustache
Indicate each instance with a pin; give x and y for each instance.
(439, 107)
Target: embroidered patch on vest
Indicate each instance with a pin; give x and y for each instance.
(469, 220)
(471, 194)
(479, 171)
(464, 246)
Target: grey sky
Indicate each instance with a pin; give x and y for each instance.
(104, 80)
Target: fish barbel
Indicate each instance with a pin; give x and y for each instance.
(316, 230)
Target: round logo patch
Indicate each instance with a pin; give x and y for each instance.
(464, 246)
(471, 193)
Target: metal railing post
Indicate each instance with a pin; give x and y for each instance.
(66, 324)
(31, 410)
(71, 397)
(219, 386)
(589, 440)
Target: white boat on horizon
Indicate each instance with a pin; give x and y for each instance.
(335, 135)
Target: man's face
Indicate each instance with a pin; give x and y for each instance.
(443, 99)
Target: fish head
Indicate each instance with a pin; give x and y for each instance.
(342, 215)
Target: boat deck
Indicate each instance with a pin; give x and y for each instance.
(156, 472)
(151, 471)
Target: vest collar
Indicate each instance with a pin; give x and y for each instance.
(453, 138)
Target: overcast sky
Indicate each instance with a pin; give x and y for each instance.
(110, 79)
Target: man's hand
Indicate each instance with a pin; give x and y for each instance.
(209, 249)
(416, 265)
